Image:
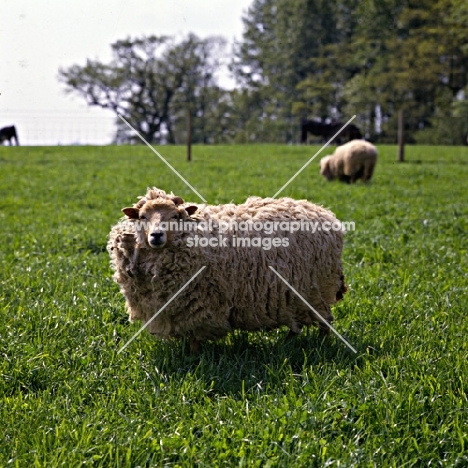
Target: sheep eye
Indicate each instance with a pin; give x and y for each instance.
(175, 216)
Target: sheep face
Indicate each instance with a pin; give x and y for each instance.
(325, 168)
(154, 217)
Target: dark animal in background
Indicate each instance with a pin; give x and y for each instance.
(326, 131)
(314, 127)
(8, 133)
(350, 132)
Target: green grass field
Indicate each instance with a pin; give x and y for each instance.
(68, 399)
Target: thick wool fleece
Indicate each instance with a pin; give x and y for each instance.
(350, 162)
(237, 290)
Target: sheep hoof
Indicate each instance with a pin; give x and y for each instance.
(292, 334)
(294, 331)
(194, 346)
(324, 330)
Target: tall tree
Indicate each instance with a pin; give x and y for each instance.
(410, 53)
(146, 82)
(392, 55)
(285, 42)
(200, 93)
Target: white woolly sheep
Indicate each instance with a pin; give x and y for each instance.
(350, 162)
(237, 290)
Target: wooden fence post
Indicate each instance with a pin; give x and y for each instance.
(189, 135)
(401, 136)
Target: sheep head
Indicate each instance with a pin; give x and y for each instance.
(325, 168)
(153, 219)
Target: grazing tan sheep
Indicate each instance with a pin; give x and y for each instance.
(237, 289)
(350, 162)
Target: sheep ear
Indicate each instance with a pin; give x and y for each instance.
(191, 209)
(132, 213)
(177, 200)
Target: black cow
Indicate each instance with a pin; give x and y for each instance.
(314, 127)
(350, 132)
(326, 131)
(8, 133)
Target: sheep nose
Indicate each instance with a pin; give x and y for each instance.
(157, 239)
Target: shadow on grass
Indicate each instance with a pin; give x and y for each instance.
(435, 161)
(94, 247)
(245, 361)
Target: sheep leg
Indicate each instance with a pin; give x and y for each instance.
(194, 345)
(324, 330)
(293, 333)
(368, 171)
(357, 175)
(354, 178)
(326, 318)
(343, 288)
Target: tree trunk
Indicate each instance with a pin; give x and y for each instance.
(401, 137)
(189, 135)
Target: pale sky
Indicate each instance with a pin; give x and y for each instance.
(37, 37)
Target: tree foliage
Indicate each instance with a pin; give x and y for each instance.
(366, 57)
(285, 42)
(152, 82)
(296, 59)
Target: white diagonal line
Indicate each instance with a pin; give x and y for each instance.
(316, 313)
(180, 176)
(161, 309)
(313, 157)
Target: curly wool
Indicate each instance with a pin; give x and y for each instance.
(350, 162)
(237, 290)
